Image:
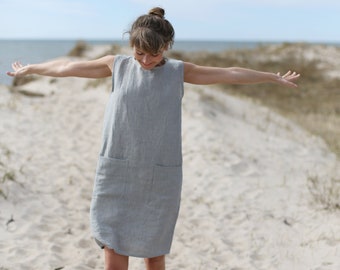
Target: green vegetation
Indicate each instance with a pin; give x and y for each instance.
(79, 49)
(325, 192)
(6, 174)
(314, 105)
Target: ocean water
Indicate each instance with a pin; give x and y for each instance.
(35, 51)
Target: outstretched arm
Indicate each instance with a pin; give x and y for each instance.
(234, 75)
(98, 68)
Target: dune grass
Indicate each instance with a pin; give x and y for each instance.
(314, 105)
(6, 173)
(325, 192)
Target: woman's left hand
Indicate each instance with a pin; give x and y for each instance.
(288, 79)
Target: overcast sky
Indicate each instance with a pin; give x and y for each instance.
(241, 20)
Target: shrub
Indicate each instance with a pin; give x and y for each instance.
(79, 49)
(326, 193)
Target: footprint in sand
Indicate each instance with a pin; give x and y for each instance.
(244, 169)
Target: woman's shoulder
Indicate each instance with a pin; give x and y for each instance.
(122, 60)
(122, 56)
(175, 63)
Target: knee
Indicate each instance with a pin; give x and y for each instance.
(155, 259)
(114, 261)
(155, 263)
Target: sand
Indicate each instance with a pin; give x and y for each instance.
(246, 202)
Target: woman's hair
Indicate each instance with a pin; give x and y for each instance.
(152, 32)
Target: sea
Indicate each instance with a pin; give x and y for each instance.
(35, 51)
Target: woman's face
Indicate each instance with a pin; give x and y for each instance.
(146, 60)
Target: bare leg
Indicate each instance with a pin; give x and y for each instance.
(156, 263)
(114, 261)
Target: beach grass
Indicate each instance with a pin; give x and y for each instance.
(325, 192)
(6, 173)
(314, 105)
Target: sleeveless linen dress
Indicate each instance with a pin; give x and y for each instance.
(138, 182)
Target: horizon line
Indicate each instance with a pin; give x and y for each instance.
(176, 40)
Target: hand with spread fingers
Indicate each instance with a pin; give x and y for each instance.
(18, 70)
(288, 79)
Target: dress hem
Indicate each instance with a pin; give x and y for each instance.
(120, 252)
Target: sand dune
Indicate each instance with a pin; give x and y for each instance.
(245, 201)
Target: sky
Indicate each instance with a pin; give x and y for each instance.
(234, 20)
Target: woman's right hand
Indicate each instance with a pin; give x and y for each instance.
(98, 68)
(18, 70)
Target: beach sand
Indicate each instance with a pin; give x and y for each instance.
(246, 202)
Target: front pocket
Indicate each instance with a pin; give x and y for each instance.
(164, 202)
(110, 176)
(109, 195)
(111, 166)
(167, 186)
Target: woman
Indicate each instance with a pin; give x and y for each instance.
(138, 181)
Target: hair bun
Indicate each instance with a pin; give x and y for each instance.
(157, 11)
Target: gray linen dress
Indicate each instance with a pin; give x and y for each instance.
(138, 182)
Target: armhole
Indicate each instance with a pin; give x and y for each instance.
(118, 63)
(181, 64)
(114, 64)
